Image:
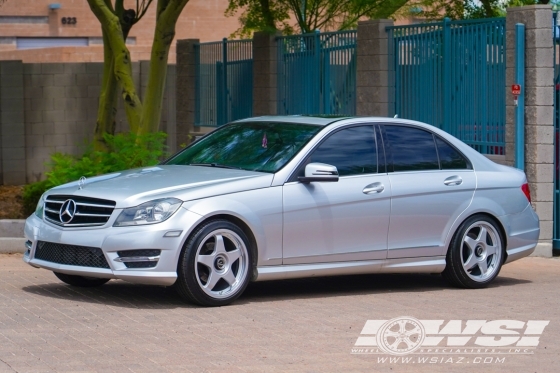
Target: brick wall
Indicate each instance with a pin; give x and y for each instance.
(52, 107)
(201, 19)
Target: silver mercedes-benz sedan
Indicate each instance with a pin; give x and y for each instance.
(285, 197)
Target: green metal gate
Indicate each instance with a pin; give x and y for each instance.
(224, 82)
(317, 73)
(451, 74)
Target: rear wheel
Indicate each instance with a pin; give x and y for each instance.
(215, 264)
(80, 281)
(476, 253)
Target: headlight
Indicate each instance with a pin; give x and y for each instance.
(151, 212)
(40, 206)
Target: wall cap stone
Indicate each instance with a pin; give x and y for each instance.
(375, 22)
(529, 8)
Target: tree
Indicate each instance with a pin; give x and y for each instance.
(461, 9)
(116, 22)
(309, 15)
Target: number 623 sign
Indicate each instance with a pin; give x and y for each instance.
(69, 20)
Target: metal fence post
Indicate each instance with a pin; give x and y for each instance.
(520, 109)
(317, 75)
(556, 195)
(483, 120)
(325, 83)
(225, 81)
(393, 78)
(446, 74)
(197, 82)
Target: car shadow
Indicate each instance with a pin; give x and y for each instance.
(115, 293)
(122, 294)
(356, 285)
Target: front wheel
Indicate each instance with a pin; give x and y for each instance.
(215, 264)
(476, 253)
(80, 281)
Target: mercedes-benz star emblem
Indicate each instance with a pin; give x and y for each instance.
(67, 211)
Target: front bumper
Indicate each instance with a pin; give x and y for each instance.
(168, 237)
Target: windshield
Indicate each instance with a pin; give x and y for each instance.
(255, 146)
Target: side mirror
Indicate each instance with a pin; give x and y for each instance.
(319, 172)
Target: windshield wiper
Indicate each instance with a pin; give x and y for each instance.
(215, 165)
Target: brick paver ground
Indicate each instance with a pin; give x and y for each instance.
(285, 326)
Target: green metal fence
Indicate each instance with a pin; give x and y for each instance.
(317, 73)
(451, 74)
(224, 82)
(556, 39)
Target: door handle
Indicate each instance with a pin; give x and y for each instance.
(453, 180)
(373, 188)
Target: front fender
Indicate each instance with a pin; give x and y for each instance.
(260, 210)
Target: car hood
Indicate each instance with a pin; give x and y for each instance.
(133, 187)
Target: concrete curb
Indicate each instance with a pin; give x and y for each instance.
(11, 227)
(11, 236)
(543, 250)
(10, 245)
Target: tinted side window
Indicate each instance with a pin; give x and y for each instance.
(353, 151)
(412, 149)
(450, 158)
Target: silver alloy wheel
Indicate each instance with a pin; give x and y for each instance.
(221, 263)
(481, 251)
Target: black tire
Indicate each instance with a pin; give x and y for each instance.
(81, 281)
(194, 277)
(488, 252)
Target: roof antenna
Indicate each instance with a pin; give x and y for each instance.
(396, 116)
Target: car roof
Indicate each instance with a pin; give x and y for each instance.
(318, 120)
(324, 120)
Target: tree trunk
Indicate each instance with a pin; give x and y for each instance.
(168, 12)
(268, 17)
(157, 76)
(142, 118)
(487, 6)
(107, 100)
(122, 68)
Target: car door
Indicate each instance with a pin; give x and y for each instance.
(432, 184)
(345, 220)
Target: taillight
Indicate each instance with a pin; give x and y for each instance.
(526, 191)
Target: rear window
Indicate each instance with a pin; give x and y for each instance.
(412, 149)
(449, 157)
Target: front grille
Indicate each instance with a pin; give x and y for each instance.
(89, 212)
(71, 255)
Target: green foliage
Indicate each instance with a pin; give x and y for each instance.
(260, 15)
(460, 9)
(124, 151)
(306, 15)
(31, 195)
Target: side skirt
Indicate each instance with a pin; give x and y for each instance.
(434, 264)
